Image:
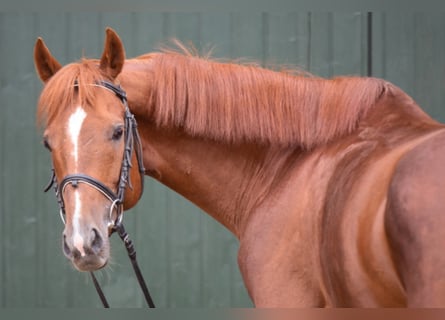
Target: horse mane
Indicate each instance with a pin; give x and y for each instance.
(229, 102)
(241, 103)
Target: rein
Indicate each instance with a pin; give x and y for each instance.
(132, 142)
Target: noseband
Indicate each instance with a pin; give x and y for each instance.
(132, 142)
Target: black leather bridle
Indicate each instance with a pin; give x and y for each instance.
(132, 143)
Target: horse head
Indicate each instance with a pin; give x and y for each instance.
(91, 135)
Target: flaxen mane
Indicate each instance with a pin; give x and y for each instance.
(231, 102)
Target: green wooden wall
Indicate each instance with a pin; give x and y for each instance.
(189, 260)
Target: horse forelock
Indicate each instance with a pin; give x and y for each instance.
(234, 103)
(69, 87)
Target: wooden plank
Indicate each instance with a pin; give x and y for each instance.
(19, 222)
(429, 51)
(393, 56)
(148, 32)
(3, 84)
(215, 35)
(349, 44)
(85, 35)
(286, 40)
(152, 240)
(337, 44)
(320, 46)
(247, 40)
(409, 51)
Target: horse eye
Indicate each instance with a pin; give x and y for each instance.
(46, 143)
(117, 134)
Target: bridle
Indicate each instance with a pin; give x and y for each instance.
(132, 143)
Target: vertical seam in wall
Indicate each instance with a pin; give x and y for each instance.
(383, 36)
(331, 62)
(201, 241)
(309, 41)
(412, 84)
(369, 71)
(39, 248)
(231, 35)
(2, 205)
(265, 38)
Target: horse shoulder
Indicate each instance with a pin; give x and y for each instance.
(276, 255)
(415, 221)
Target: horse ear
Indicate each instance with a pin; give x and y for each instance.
(46, 65)
(113, 57)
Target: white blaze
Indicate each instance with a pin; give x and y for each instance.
(75, 123)
(77, 238)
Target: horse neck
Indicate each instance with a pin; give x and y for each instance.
(226, 181)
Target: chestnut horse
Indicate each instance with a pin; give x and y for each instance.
(335, 188)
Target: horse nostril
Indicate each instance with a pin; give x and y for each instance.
(96, 244)
(70, 253)
(66, 248)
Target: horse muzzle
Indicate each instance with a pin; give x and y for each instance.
(88, 250)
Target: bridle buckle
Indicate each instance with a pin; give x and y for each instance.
(112, 223)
